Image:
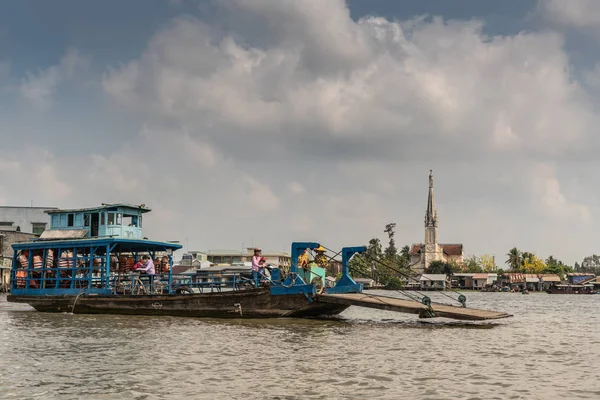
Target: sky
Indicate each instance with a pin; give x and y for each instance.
(257, 123)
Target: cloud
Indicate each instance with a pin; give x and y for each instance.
(272, 120)
(548, 196)
(401, 84)
(574, 13)
(39, 87)
(296, 188)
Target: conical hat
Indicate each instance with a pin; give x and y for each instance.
(320, 248)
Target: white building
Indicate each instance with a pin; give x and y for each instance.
(25, 219)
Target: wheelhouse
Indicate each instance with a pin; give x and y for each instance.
(113, 220)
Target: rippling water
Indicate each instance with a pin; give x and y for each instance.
(549, 349)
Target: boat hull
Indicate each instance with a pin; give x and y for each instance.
(255, 303)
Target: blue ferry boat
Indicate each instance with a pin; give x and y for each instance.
(86, 263)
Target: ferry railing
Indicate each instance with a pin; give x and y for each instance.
(133, 283)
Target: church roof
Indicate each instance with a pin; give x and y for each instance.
(455, 249)
(452, 249)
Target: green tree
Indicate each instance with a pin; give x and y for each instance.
(439, 267)
(405, 257)
(514, 259)
(391, 252)
(525, 257)
(472, 264)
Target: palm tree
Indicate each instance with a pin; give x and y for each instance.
(515, 257)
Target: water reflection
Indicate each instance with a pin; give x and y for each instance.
(549, 349)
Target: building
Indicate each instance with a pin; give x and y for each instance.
(422, 254)
(433, 281)
(25, 219)
(230, 257)
(8, 236)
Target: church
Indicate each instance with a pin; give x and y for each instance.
(422, 254)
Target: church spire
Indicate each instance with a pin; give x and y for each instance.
(431, 214)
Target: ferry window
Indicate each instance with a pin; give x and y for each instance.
(119, 221)
(140, 221)
(70, 219)
(63, 219)
(111, 218)
(102, 218)
(54, 220)
(86, 220)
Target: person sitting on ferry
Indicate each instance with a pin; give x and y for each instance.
(146, 265)
(256, 265)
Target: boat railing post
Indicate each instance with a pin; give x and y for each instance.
(29, 269)
(169, 254)
(43, 273)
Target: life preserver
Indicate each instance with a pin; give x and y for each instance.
(38, 262)
(21, 277)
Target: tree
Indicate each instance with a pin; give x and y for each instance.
(405, 257)
(590, 264)
(472, 264)
(366, 265)
(391, 252)
(439, 267)
(526, 256)
(514, 258)
(533, 264)
(488, 263)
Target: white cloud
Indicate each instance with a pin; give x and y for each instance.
(39, 87)
(576, 13)
(296, 188)
(547, 194)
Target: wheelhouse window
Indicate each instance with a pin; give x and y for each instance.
(86, 220)
(111, 218)
(119, 219)
(102, 218)
(70, 219)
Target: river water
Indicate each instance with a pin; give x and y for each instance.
(550, 349)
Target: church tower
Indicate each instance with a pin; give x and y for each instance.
(432, 249)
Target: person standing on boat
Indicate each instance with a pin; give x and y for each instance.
(303, 261)
(321, 259)
(256, 265)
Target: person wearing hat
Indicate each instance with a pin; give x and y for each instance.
(321, 259)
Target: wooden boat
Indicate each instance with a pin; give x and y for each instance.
(571, 289)
(84, 264)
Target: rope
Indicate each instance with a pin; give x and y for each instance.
(461, 299)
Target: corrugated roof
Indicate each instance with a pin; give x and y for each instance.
(550, 278)
(63, 234)
(433, 277)
(142, 208)
(480, 276)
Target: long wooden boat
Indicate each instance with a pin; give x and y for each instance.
(85, 263)
(571, 289)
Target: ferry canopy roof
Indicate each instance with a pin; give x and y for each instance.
(120, 244)
(142, 208)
